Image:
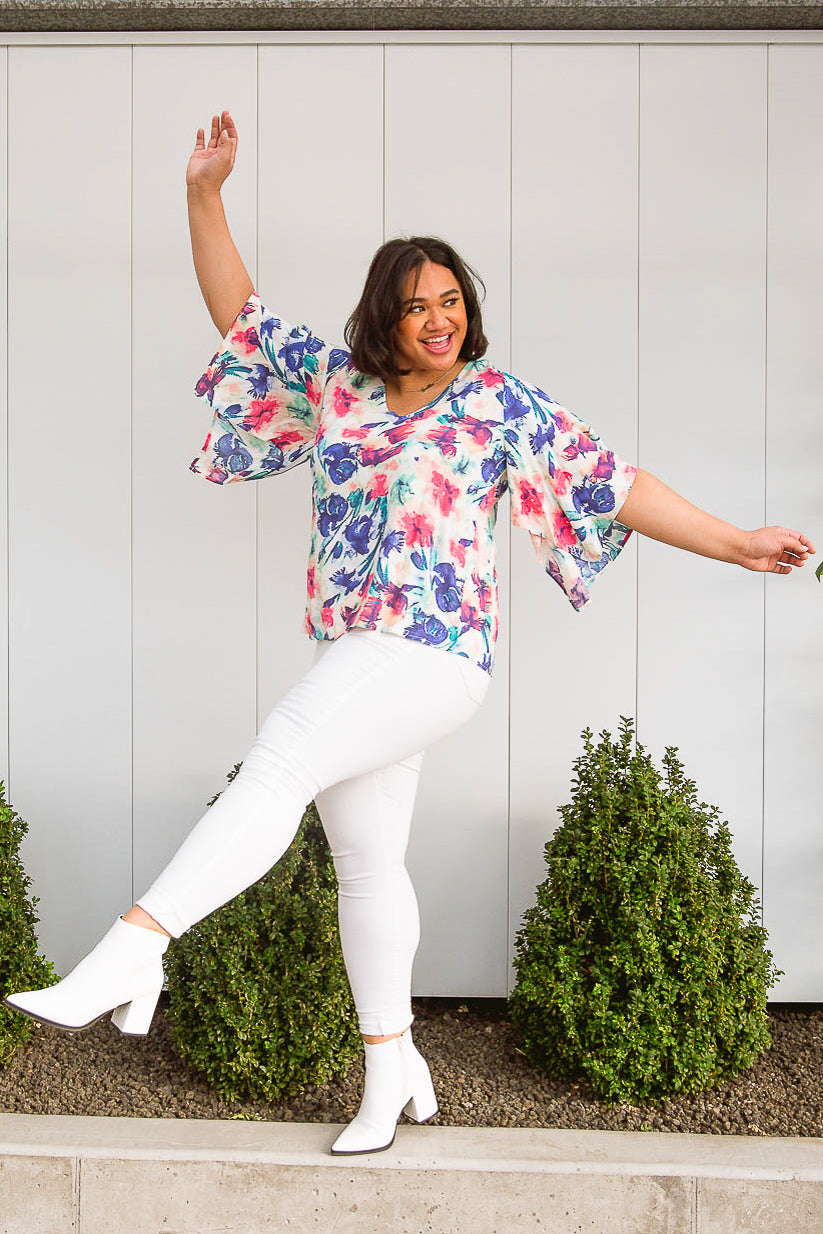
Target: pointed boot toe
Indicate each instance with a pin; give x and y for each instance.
(122, 974)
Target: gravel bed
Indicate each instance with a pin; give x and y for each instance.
(480, 1076)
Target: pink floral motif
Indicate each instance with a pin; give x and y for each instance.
(342, 401)
(370, 611)
(529, 498)
(417, 527)
(313, 391)
(562, 419)
(480, 432)
(245, 342)
(470, 616)
(491, 378)
(488, 501)
(289, 437)
(260, 413)
(396, 599)
(562, 530)
(458, 552)
(604, 467)
(444, 492)
(444, 437)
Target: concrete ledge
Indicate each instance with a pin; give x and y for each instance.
(107, 1175)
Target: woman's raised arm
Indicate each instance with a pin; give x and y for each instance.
(655, 510)
(224, 280)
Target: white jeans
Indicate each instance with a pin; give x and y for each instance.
(349, 735)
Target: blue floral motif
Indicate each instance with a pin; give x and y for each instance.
(270, 326)
(427, 629)
(594, 498)
(359, 532)
(340, 462)
(542, 437)
(294, 349)
(515, 406)
(273, 459)
(330, 513)
(233, 453)
(447, 589)
(392, 542)
(345, 579)
(493, 465)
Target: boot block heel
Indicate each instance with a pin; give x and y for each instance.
(423, 1104)
(134, 1018)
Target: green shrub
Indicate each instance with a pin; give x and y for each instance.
(21, 968)
(641, 966)
(260, 1003)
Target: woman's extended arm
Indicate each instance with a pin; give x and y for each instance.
(655, 510)
(224, 280)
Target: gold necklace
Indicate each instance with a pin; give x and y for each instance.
(431, 383)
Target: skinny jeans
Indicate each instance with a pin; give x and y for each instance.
(350, 736)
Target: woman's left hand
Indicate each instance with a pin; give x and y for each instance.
(775, 549)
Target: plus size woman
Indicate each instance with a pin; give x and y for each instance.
(412, 437)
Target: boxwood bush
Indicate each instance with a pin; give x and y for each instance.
(259, 1000)
(21, 968)
(641, 967)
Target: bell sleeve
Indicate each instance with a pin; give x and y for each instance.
(565, 488)
(264, 386)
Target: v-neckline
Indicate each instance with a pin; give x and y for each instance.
(406, 415)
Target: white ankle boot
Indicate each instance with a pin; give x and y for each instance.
(397, 1080)
(123, 974)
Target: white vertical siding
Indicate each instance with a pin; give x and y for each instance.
(574, 323)
(69, 381)
(702, 415)
(793, 835)
(194, 602)
(643, 213)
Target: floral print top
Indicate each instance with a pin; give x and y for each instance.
(404, 506)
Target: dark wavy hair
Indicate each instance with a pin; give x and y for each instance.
(369, 331)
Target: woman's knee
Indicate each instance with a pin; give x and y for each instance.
(268, 766)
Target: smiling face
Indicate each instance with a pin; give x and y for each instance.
(432, 325)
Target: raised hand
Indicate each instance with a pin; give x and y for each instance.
(775, 549)
(210, 164)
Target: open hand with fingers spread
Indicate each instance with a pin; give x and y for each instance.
(775, 549)
(210, 164)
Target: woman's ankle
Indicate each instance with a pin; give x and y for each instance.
(138, 916)
(371, 1039)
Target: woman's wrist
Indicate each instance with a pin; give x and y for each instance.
(737, 545)
(202, 191)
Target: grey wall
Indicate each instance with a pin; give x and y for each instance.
(645, 213)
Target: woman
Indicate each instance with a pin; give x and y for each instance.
(412, 439)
